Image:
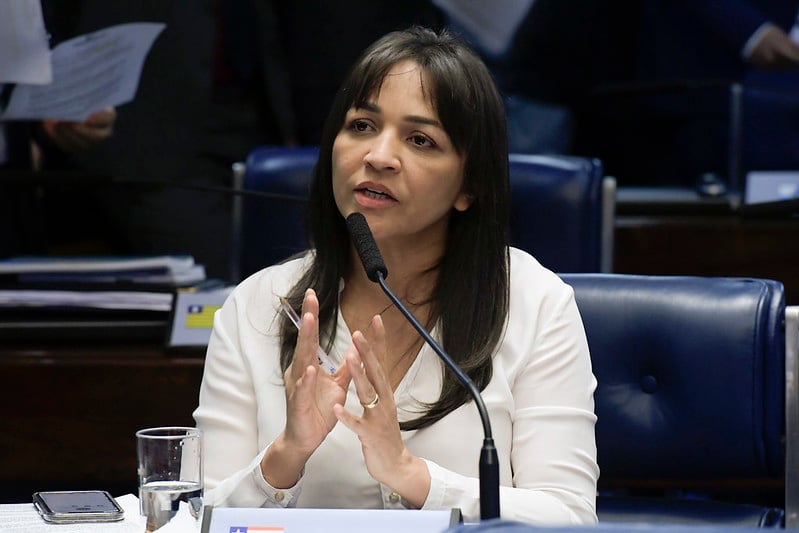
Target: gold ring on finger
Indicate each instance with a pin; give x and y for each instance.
(373, 403)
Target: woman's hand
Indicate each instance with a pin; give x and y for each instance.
(311, 394)
(387, 459)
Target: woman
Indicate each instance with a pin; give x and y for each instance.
(415, 142)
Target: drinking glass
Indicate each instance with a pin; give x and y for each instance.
(170, 468)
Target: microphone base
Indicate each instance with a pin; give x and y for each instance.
(489, 481)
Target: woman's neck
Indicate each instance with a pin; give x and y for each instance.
(413, 283)
(411, 276)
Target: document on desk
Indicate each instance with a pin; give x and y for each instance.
(23, 518)
(90, 72)
(175, 270)
(24, 52)
(95, 263)
(132, 300)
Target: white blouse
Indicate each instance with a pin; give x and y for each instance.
(540, 401)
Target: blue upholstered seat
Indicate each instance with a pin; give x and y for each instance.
(272, 227)
(691, 393)
(562, 209)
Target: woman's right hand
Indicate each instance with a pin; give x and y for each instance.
(311, 394)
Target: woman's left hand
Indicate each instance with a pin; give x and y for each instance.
(387, 459)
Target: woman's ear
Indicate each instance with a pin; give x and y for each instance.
(463, 202)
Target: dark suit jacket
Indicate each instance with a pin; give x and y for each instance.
(669, 121)
(702, 39)
(563, 49)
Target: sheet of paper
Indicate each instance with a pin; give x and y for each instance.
(493, 24)
(183, 521)
(23, 518)
(24, 51)
(90, 72)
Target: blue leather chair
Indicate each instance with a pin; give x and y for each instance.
(691, 397)
(562, 209)
(269, 219)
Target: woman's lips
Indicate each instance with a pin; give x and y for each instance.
(372, 193)
(373, 197)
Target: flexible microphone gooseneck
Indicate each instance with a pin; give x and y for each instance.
(24, 179)
(376, 270)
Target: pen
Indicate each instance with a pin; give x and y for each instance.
(324, 359)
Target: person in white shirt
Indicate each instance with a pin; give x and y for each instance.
(415, 142)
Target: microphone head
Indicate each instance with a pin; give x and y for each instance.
(366, 246)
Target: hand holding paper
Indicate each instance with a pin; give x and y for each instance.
(77, 136)
(91, 72)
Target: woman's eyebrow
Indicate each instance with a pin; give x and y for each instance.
(422, 120)
(417, 119)
(369, 106)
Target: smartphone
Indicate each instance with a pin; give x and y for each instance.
(69, 507)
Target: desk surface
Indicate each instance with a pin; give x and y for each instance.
(709, 245)
(23, 517)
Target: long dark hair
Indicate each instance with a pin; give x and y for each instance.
(471, 295)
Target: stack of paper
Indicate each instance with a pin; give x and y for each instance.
(169, 270)
(128, 300)
(76, 297)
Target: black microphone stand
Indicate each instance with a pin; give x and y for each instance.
(376, 271)
(489, 461)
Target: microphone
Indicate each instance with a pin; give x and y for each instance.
(376, 270)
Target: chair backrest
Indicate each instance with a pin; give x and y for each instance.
(272, 226)
(691, 389)
(562, 211)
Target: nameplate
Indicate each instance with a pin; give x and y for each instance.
(272, 520)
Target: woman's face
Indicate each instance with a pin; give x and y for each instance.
(394, 163)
